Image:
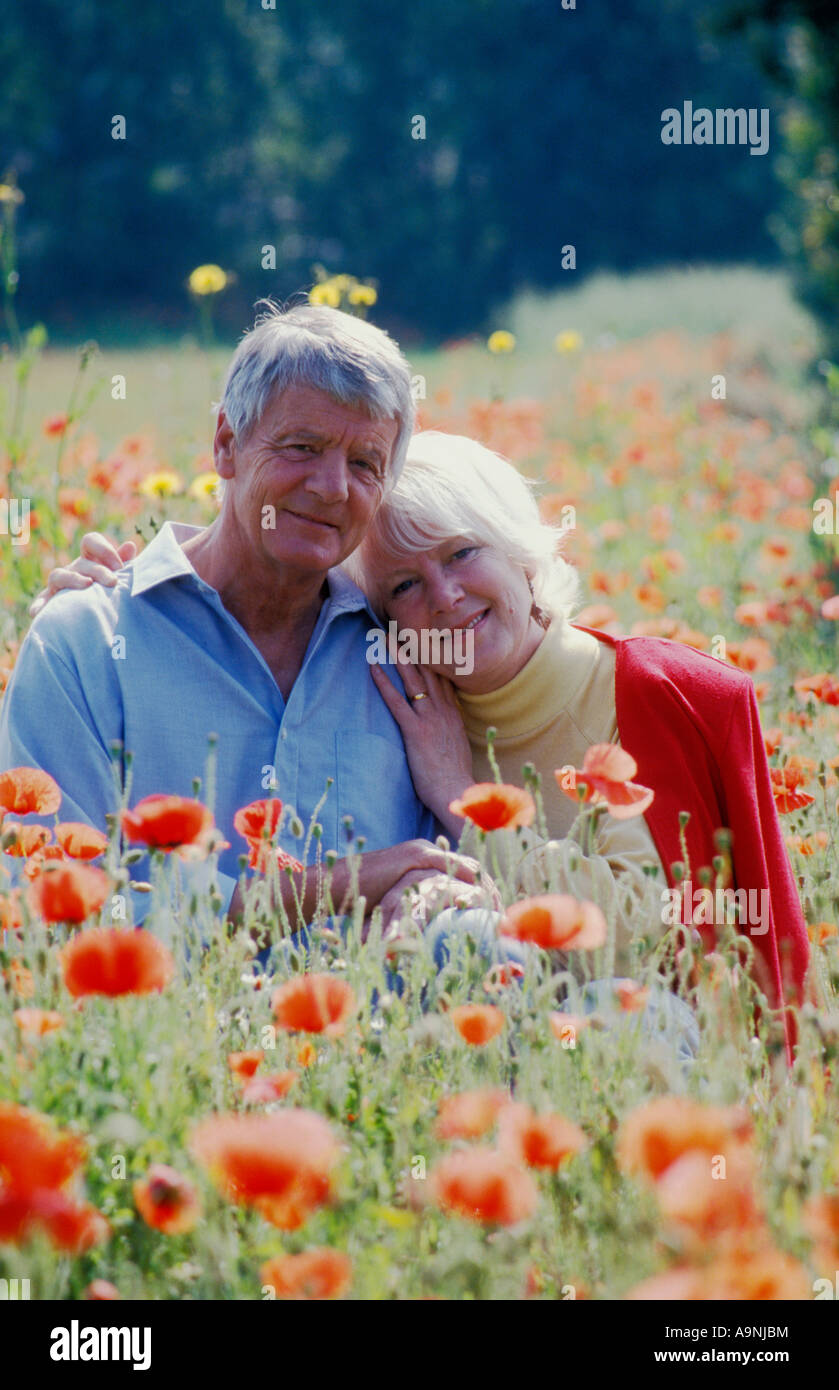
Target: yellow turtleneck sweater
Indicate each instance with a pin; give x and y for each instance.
(558, 705)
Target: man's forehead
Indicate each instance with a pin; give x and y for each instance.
(305, 407)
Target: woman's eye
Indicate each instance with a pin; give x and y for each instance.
(401, 588)
(464, 550)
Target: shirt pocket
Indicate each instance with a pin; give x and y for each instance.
(374, 786)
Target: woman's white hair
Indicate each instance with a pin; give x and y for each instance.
(454, 486)
(311, 345)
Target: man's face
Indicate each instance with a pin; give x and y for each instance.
(306, 482)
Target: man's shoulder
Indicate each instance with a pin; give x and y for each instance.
(74, 618)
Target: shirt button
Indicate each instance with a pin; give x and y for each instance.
(283, 734)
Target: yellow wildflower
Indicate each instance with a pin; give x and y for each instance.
(326, 293)
(10, 193)
(567, 341)
(161, 484)
(362, 294)
(501, 341)
(203, 485)
(207, 279)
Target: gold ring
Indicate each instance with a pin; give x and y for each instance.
(422, 696)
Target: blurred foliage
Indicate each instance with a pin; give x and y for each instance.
(797, 44)
(293, 127)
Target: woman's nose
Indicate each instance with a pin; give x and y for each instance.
(444, 592)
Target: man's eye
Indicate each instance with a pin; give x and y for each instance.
(369, 465)
(300, 448)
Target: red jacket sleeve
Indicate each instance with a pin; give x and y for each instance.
(761, 859)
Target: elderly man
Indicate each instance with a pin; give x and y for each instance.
(247, 629)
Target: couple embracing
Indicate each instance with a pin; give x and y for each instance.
(258, 633)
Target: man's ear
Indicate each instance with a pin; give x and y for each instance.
(224, 447)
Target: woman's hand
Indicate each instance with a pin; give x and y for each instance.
(98, 564)
(438, 750)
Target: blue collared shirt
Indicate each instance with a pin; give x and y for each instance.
(158, 664)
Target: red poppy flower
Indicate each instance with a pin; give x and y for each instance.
(71, 1226)
(115, 961)
(262, 1090)
(495, 806)
(313, 1274)
(166, 822)
(470, 1114)
(785, 783)
(167, 1201)
(660, 1131)
(567, 1027)
(500, 977)
(24, 841)
(33, 1153)
(68, 892)
(606, 772)
(484, 1185)
(824, 686)
(80, 841)
(477, 1024)
(25, 790)
(244, 1064)
(38, 1022)
(540, 1141)
(101, 1291)
(556, 922)
(632, 997)
(259, 821)
(313, 1003)
(280, 1162)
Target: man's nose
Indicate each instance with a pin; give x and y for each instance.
(328, 477)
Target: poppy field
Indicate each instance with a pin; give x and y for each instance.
(178, 1122)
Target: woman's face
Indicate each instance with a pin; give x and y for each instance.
(470, 585)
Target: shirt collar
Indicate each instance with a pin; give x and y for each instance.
(164, 559)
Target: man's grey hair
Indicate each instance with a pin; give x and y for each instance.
(348, 359)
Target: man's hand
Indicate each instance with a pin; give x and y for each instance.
(98, 564)
(431, 893)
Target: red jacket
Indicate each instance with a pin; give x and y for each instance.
(691, 723)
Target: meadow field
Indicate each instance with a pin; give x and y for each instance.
(185, 1127)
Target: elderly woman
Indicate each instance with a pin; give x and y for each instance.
(459, 544)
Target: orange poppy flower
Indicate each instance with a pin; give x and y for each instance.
(484, 1185)
(567, 1027)
(755, 654)
(166, 822)
(495, 806)
(470, 1114)
(556, 922)
(21, 979)
(758, 1275)
(68, 892)
(313, 1274)
(33, 1153)
(38, 1022)
(313, 1003)
(500, 977)
(261, 855)
(824, 686)
(115, 961)
(25, 790)
(81, 841)
(820, 932)
(72, 1227)
(259, 820)
(244, 1064)
(281, 1162)
(540, 1141)
(657, 1133)
(307, 1054)
(261, 1090)
(821, 1222)
(11, 915)
(691, 1196)
(167, 1201)
(101, 1291)
(56, 425)
(632, 997)
(785, 783)
(23, 841)
(477, 1024)
(607, 771)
